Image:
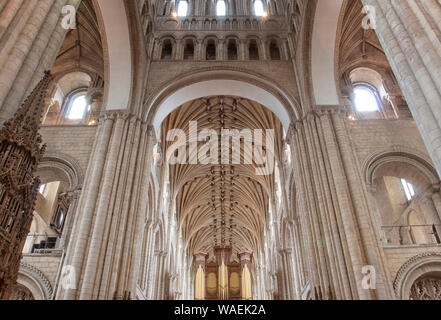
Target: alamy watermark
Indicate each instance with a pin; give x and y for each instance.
(369, 281)
(69, 20)
(68, 279)
(227, 151)
(370, 20)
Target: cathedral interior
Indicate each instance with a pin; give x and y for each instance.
(119, 180)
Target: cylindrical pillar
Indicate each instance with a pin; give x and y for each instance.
(408, 32)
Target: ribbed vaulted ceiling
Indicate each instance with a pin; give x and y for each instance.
(83, 46)
(222, 204)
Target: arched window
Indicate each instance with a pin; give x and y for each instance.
(221, 8)
(253, 50)
(211, 50)
(274, 50)
(366, 99)
(189, 50)
(408, 189)
(259, 9)
(42, 189)
(167, 50)
(78, 107)
(182, 8)
(232, 50)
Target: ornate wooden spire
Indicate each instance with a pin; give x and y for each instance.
(20, 153)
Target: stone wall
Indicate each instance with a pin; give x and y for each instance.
(396, 256)
(75, 141)
(372, 136)
(47, 264)
(280, 72)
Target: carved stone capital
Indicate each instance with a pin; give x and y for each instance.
(74, 194)
(323, 110)
(291, 132)
(151, 134)
(123, 115)
(107, 115)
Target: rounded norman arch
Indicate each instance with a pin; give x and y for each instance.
(413, 269)
(60, 167)
(114, 24)
(221, 82)
(323, 51)
(401, 155)
(34, 280)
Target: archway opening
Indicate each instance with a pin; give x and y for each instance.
(406, 213)
(221, 158)
(225, 83)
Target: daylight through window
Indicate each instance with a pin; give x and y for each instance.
(365, 99)
(78, 108)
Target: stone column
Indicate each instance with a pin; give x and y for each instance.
(341, 173)
(432, 216)
(285, 275)
(102, 209)
(317, 264)
(139, 204)
(221, 51)
(369, 240)
(8, 10)
(198, 54)
(152, 263)
(212, 7)
(74, 196)
(179, 49)
(263, 50)
(409, 32)
(112, 210)
(297, 259)
(436, 198)
(292, 282)
(242, 53)
(334, 217)
(284, 50)
(157, 48)
(150, 260)
(432, 200)
(31, 35)
(257, 281)
(174, 50)
(88, 198)
(160, 277)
